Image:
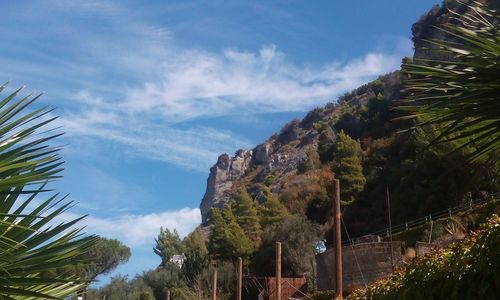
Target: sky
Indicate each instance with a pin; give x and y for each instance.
(149, 93)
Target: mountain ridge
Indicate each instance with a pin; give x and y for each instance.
(296, 163)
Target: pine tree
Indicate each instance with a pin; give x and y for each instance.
(216, 245)
(348, 167)
(194, 242)
(228, 240)
(239, 244)
(245, 210)
(272, 210)
(196, 256)
(168, 244)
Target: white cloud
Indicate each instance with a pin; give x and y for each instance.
(194, 148)
(136, 230)
(200, 84)
(130, 82)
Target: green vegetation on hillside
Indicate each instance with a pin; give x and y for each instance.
(168, 243)
(468, 270)
(423, 160)
(348, 167)
(228, 240)
(191, 280)
(245, 210)
(272, 210)
(297, 236)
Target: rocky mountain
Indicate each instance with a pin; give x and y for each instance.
(276, 161)
(278, 157)
(292, 162)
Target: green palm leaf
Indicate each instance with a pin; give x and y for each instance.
(459, 95)
(31, 243)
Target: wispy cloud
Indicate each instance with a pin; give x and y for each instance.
(127, 80)
(194, 148)
(200, 84)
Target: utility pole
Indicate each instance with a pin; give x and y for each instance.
(390, 227)
(278, 271)
(338, 242)
(214, 284)
(240, 279)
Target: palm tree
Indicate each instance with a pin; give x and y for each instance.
(459, 93)
(32, 244)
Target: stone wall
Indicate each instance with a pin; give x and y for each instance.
(361, 263)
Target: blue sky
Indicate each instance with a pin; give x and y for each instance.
(150, 93)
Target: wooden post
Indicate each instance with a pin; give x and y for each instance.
(214, 284)
(338, 242)
(278, 271)
(168, 295)
(390, 226)
(240, 279)
(430, 234)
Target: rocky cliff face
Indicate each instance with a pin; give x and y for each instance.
(223, 174)
(278, 156)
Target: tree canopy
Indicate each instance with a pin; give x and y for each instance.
(228, 240)
(272, 210)
(245, 210)
(196, 257)
(298, 236)
(348, 167)
(168, 244)
(104, 257)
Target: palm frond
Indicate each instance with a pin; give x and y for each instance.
(31, 242)
(459, 95)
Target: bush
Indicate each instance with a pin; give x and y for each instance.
(469, 270)
(297, 236)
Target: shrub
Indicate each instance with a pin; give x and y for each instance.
(469, 270)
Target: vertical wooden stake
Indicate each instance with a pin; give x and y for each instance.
(390, 226)
(214, 285)
(338, 242)
(278, 271)
(168, 294)
(240, 279)
(430, 233)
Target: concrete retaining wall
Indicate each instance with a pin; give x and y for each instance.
(374, 262)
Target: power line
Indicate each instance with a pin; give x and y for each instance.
(354, 252)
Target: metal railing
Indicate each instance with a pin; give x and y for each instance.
(408, 225)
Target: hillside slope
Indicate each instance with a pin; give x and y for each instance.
(298, 163)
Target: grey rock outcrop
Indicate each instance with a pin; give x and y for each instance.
(279, 156)
(221, 178)
(261, 153)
